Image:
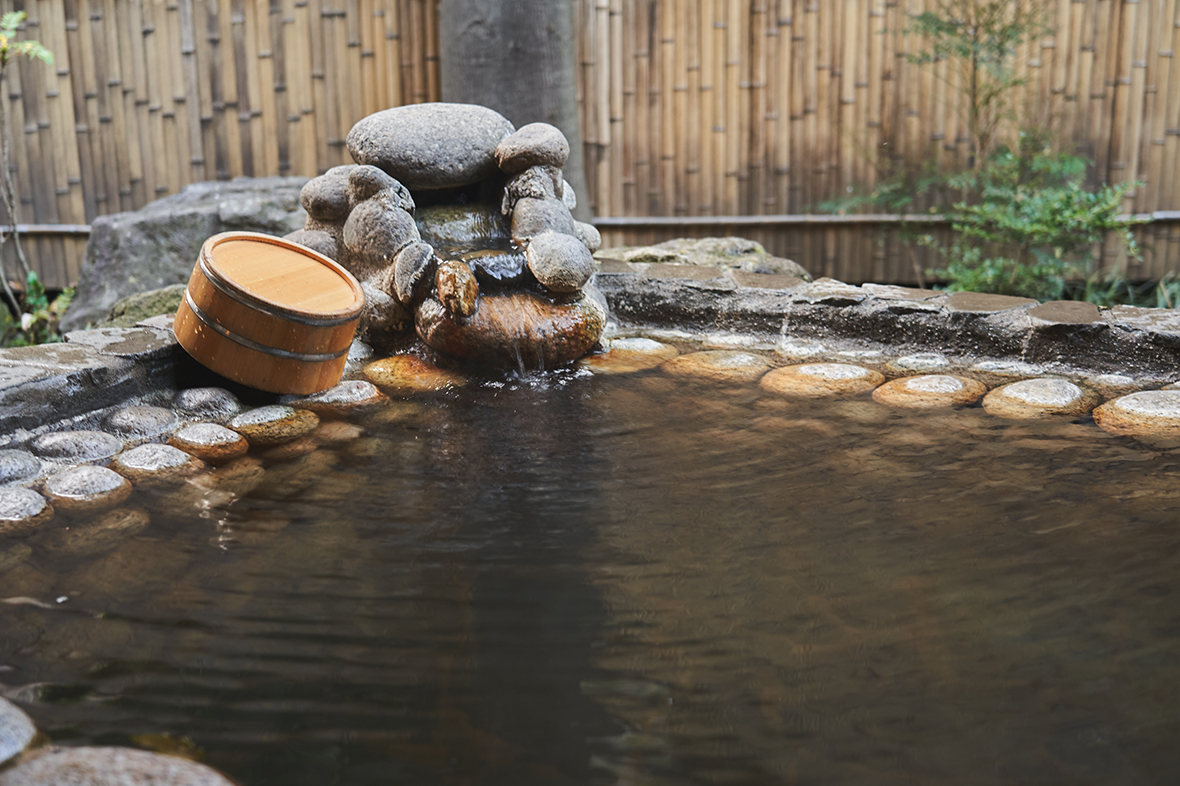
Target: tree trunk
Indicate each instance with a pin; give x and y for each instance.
(517, 57)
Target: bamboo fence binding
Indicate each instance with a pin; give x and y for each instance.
(689, 109)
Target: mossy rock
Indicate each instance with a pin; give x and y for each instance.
(723, 253)
(138, 307)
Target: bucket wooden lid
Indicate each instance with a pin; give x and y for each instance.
(281, 278)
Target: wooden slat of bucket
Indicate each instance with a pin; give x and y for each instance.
(268, 313)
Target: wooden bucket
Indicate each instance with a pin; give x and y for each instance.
(269, 313)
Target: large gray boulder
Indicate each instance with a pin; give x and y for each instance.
(157, 245)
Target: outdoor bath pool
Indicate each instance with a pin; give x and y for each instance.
(638, 579)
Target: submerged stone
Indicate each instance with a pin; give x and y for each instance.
(22, 511)
(99, 534)
(96, 766)
(291, 450)
(628, 355)
(1035, 398)
(18, 467)
(409, 373)
(1149, 413)
(16, 730)
(140, 422)
(821, 379)
(77, 447)
(13, 554)
(337, 432)
(274, 424)
(86, 489)
(930, 390)
(210, 442)
(206, 403)
(154, 464)
(720, 365)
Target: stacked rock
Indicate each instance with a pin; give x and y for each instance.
(492, 269)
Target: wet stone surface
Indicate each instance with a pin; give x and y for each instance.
(274, 424)
(720, 364)
(210, 442)
(140, 422)
(18, 467)
(350, 396)
(16, 730)
(1034, 398)
(76, 447)
(628, 355)
(821, 379)
(930, 390)
(409, 373)
(110, 767)
(22, 511)
(206, 403)
(86, 489)
(156, 464)
(1148, 413)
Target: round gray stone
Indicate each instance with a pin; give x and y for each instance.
(18, 466)
(366, 182)
(76, 447)
(535, 144)
(94, 766)
(140, 422)
(210, 442)
(374, 234)
(86, 488)
(349, 396)
(22, 511)
(274, 424)
(531, 217)
(560, 262)
(156, 464)
(431, 146)
(317, 240)
(326, 197)
(208, 403)
(16, 730)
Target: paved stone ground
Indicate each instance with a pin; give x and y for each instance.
(45, 388)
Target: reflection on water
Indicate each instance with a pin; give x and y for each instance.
(641, 581)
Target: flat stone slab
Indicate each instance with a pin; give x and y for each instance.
(110, 767)
(16, 730)
(981, 303)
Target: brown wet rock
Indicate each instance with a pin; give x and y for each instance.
(720, 365)
(1036, 398)
(76, 447)
(18, 467)
(290, 479)
(337, 432)
(628, 355)
(1065, 312)
(22, 511)
(457, 288)
(86, 489)
(929, 391)
(1148, 413)
(411, 374)
(821, 379)
(97, 535)
(984, 303)
(274, 424)
(347, 398)
(140, 422)
(215, 489)
(94, 766)
(13, 554)
(209, 403)
(409, 273)
(517, 330)
(156, 465)
(16, 730)
(210, 442)
(291, 450)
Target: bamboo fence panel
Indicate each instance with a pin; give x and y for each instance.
(690, 109)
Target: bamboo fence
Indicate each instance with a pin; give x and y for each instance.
(696, 110)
